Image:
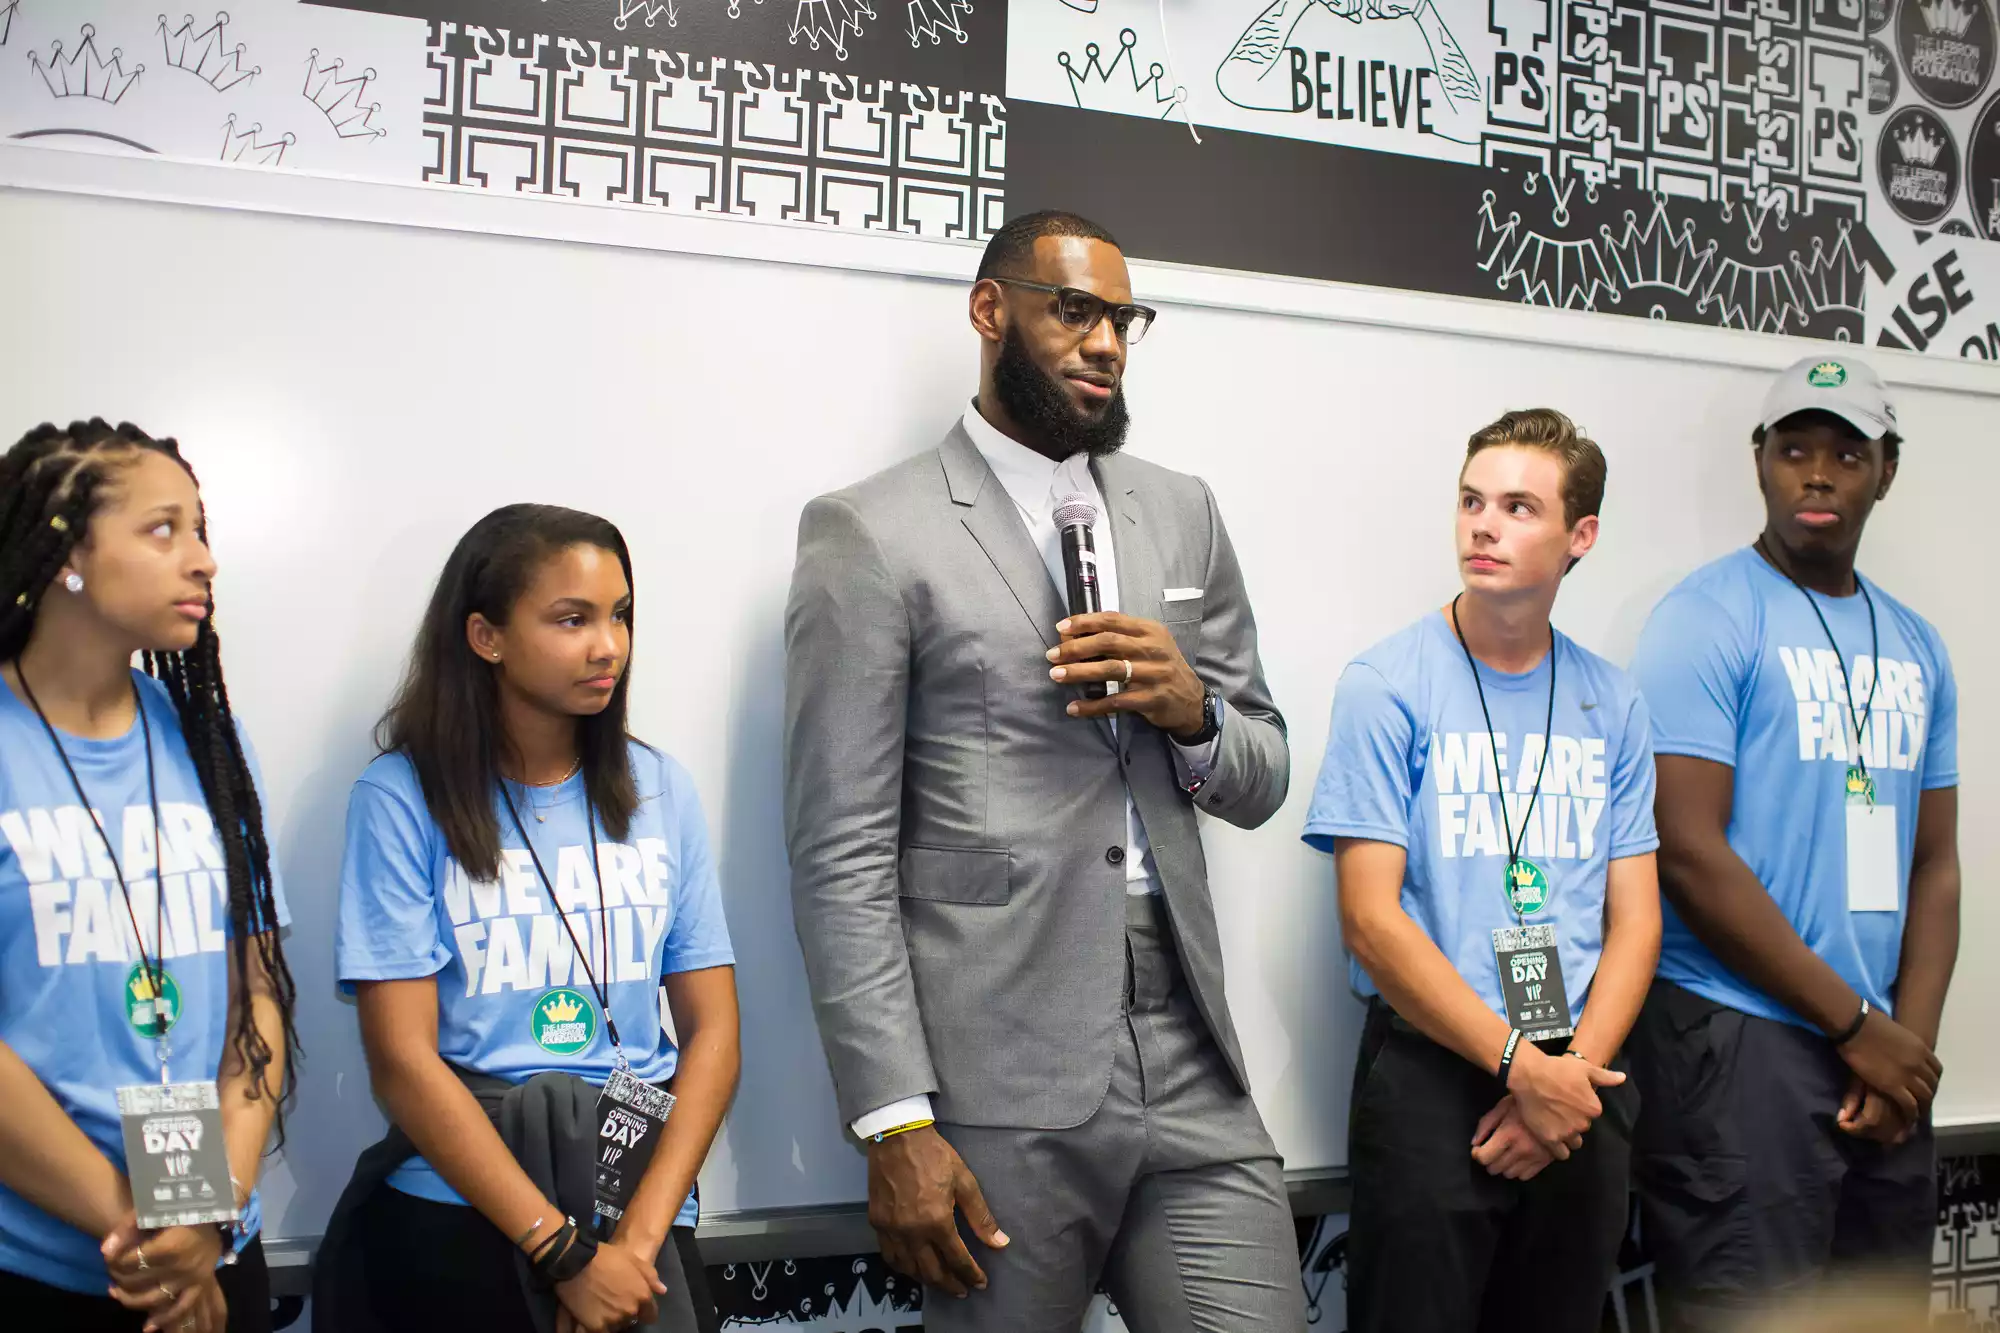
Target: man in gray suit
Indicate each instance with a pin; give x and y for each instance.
(998, 881)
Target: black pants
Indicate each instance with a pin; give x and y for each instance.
(1435, 1244)
(1748, 1188)
(33, 1306)
(444, 1266)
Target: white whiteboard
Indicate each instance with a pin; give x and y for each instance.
(355, 395)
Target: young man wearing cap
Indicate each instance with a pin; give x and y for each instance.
(1487, 793)
(1806, 728)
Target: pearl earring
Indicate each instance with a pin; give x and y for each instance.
(73, 582)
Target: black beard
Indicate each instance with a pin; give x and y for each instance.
(1038, 404)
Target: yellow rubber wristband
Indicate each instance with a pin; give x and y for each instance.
(904, 1129)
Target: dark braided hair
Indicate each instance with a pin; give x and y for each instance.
(51, 483)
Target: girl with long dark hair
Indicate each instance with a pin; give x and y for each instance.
(522, 878)
(139, 909)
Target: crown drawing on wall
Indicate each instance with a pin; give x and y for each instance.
(1834, 277)
(561, 1009)
(1918, 146)
(205, 54)
(250, 146)
(933, 20)
(1947, 17)
(84, 73)
(7, 18)
(340, 100)
(651, 10)
(829, 21)
(1659, 254)
(1117, 85)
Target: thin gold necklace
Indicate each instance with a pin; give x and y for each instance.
(574, 769)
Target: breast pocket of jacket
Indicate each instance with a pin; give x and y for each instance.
(1180, 612)
(973, 875)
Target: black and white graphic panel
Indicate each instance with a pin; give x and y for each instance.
(262, 85)
(618, 123)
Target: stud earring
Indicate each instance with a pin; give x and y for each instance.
(73, 582)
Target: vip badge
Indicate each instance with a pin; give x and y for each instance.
(563, 1022)
(1527, 887)
(151, 1011)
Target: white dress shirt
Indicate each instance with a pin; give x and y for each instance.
(1037, 484)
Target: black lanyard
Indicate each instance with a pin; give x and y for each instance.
(155, 971)
(1548, 743)
(1859, 717)
(597, 987)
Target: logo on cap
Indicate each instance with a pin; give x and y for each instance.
(1827, 375)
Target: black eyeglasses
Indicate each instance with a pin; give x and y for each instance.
(1080, 310)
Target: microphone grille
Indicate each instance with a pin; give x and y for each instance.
(1075, 509)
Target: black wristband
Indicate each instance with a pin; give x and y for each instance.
(566, 1255)
(1507, 1056)
(1211, 720)
(1853, 1029)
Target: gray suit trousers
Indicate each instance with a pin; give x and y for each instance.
(1171, 1195)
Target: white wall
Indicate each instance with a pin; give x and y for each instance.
(355, 395)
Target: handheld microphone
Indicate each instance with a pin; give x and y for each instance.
(1075, 515)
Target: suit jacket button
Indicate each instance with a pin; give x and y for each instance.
(1115, 855)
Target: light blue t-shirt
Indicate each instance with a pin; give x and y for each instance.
(68, 959)
(513, 1001)
(1737, 670)
(1408, 762)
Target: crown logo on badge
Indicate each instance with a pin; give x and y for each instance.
(203, 54)
(1946, 17)
(142, 987)
(1827, 375)
(85, 73)
(1117, 85)
(561, 1009)
(1878, 63)
(339, 100)
(1919, 147)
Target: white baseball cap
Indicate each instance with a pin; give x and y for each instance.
(1843, 385)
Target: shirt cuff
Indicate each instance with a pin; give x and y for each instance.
(1195, 763)
(907, 1111)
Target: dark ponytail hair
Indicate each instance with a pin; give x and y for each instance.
(446, 716)
(51, 483)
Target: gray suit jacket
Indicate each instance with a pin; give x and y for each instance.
(949, 824)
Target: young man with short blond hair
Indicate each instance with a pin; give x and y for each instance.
(1487, 793)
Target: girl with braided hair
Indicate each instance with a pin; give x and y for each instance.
(139, 909)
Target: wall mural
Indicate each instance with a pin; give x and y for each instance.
(1828, 168)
